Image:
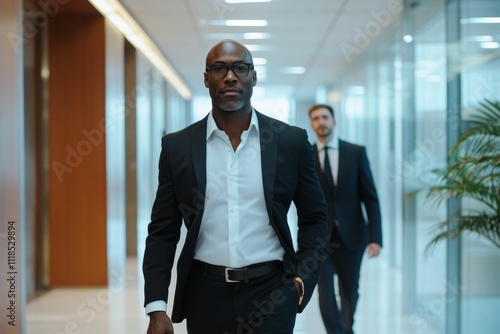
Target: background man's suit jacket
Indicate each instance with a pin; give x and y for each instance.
(288, 174)
(354, 187)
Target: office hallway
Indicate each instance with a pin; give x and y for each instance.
(118, 309)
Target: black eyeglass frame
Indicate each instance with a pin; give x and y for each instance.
(229, 67)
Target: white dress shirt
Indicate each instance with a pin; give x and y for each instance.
(333, 155)
(235, 229)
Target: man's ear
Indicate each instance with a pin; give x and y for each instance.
(205, 79)
(254, 78)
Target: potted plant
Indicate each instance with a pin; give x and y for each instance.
(473, 172)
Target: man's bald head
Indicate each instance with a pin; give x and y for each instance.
(228, 46)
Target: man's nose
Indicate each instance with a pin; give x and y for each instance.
(230, 76)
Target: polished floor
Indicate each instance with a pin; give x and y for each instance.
(118, 308)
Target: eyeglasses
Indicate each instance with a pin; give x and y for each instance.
(219, 71)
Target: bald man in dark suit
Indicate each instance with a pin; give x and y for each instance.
(231, 179)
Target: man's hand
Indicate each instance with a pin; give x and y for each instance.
(299, 285)
(373, 250)
(160, 323)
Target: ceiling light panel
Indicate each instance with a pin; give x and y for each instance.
(256, 35)
(245, 1)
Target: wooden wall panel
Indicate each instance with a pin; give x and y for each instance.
(77, 182)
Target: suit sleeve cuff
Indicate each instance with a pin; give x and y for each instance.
(157, 305)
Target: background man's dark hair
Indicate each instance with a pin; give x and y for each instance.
(318, 106)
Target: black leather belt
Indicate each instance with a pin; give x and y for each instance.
(234, 275)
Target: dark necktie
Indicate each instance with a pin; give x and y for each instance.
(333, 233)
(327, 170)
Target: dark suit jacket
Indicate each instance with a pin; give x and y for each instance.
(354, 188)
(288, 175)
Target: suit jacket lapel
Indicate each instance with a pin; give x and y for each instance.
(319, 171)
(341, 164)
(199, 156)
(317, 164)
(269, 155)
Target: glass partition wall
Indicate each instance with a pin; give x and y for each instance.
(479, 80)
(407, 99)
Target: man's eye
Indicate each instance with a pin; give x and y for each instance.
(240, 68)
(218, 68)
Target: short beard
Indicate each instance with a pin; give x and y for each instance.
(230, 106)
(327, 133)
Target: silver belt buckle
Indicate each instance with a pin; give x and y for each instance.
(226, 275)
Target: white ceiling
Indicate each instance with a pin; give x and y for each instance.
(304, 33)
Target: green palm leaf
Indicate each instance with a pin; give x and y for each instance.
(473, 171)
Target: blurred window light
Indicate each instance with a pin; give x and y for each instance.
(221, 36)
(489, 45)
(259, 61)
(261, 72)
(245, 1)
(355, 106)
(201, 107)
(235, 23)
(434, 78)
(259, 92)
(357, 90)
(256, 35)
(257, 47)
(334, 96)
(408, 38)
(480, 20)
(277, 107)
(294, 70)
(45, 73)
(485, 38)
(245, 23)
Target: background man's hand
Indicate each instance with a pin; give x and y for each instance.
(160, 323)
(373, 250)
